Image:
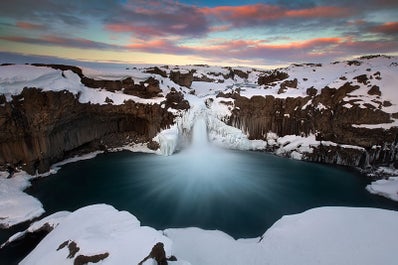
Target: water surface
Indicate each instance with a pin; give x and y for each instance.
(240, 193)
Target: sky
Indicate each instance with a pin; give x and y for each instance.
(247, 33)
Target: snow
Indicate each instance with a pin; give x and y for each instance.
(327, 235)
(13, 78)
(385, 126)
(385, 187)
(98, 229)
(322, 236)
(57, 166)
(51, 221)
(17, 206)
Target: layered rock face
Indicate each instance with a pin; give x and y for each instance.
(40, 128)
(324, 115)
(350, 109)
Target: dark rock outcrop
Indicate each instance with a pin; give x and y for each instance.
(81, 259)
(182, 79)
(146, 89)
(324, 115)
(176, 100)
(157, 71)
(271, 77)
(40, 128)
(158, 254)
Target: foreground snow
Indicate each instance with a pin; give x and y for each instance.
(385, 187)
(16, 206)
(326, 235)
(98, 229)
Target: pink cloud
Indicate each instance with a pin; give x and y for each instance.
(29, 26)
(319, 12)
(250, 14)
(142, 30)
(148, 19)
(387, 28)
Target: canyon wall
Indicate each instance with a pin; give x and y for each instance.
(40, 128)
(324, 115)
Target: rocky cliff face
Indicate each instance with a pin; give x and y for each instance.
(324, 114)
(350, 109)
(40, 128)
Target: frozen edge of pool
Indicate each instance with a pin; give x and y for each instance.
(325, 235)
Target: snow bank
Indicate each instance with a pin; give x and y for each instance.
(385, 187)
(322, 236)
(17, 206)
(98, 229)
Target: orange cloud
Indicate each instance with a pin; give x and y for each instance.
(28, 25)
(319, 11)
(263, 12)
(388, 28)
(259, 11)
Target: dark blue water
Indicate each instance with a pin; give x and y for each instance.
(240, 193)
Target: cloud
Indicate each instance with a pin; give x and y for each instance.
(52, 40)
(145, 19)
(386, 28)
(261, 14)
(29, 25)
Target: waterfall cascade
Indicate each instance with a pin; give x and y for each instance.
(199, 134)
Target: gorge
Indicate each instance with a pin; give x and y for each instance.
(200, 125)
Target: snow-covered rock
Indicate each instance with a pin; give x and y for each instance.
(321, 236)
(115, 237)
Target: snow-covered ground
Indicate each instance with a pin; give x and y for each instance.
(98, 229)
(385, 187)
(321, 236)
(15, 205)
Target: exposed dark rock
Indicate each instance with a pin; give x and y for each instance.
(108, 100)
(354, 62)
(176, 100)
(311, 91)
(153, 145)
(157, 71)
(203, 78)
(375, 90)
(287, 84)
(82, 259)
(72, 246)
(47, 127)
(272, 77)
(158, 254)
(363, 79)
(240, 73)
(182, 79)
(332, 122)
(146, 89)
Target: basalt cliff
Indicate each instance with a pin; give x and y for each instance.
(340, 113)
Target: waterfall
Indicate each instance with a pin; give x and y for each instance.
(199, 134)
